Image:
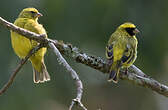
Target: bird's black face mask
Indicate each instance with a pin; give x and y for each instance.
(132, 31)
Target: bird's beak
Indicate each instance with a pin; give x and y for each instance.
(136, 31)
(38, 14)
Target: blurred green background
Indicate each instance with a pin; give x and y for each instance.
(87, 24)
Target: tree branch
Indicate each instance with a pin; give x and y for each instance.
(28, 34)
(74, 75)
(134, 75)
(47, 42)
(17, 69)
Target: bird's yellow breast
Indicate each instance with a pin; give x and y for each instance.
(20, 44)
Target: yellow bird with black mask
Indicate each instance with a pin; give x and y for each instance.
(121, 50)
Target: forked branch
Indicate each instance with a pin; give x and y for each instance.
(134, 75)
(47, 43)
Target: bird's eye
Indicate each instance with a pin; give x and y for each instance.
(32, 12)
(130, 31)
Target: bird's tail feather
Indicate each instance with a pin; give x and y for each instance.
(42, 76)
(113, 76)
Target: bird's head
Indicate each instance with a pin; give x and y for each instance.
(31, 13)
(128, 28)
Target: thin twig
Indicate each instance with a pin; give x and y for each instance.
(74, 75)
(17, 69)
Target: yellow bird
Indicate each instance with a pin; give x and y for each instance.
(28, 19)
(121, 50)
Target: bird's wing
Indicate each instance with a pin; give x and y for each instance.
(109, 51)
(128, 55)
(33, 26)
(110, 47)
